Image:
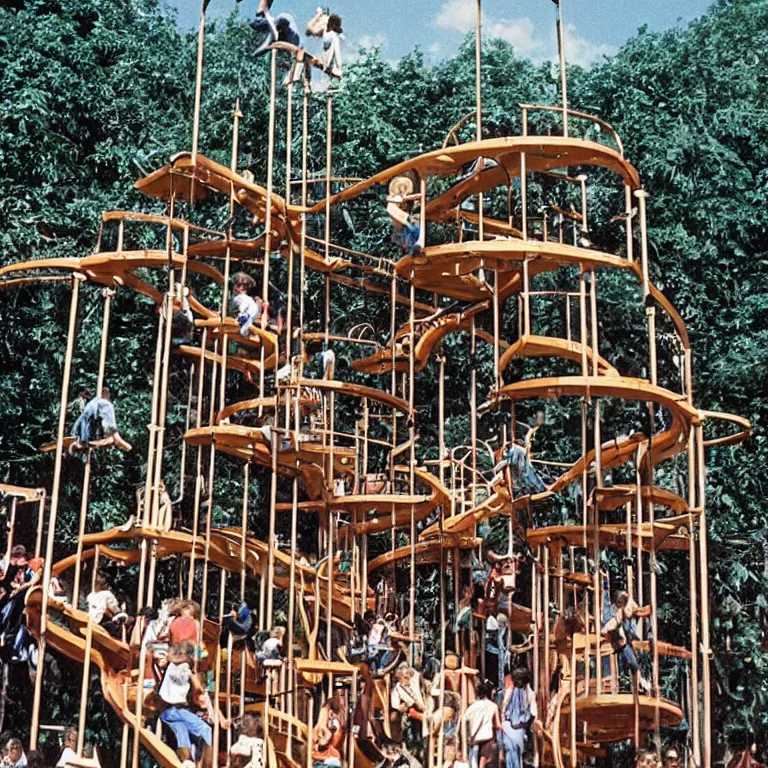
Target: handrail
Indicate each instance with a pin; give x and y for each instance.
(573, 113)
(452, 134)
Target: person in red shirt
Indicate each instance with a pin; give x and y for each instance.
(185, 627)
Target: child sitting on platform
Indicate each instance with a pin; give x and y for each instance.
(248, 309)
(102, 604)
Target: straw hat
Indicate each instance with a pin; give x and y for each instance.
(401, 185)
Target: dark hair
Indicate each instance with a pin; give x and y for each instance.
(148, 612)
(19, 551)
(521, 676)
(250, 726)
(35, 759)
(484, 690)
(105, 393)
(244, 279)
(334, 23)
(99, 581)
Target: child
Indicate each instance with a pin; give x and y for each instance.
(185, 627)
(405, 233)
(68, 750)
(96, 424)
(280, 29)
(247, 308)
(620, 631)
(248, 750)
(239, 624)
(102, 603)
(328, 26)
(175, 689)
(273, 645)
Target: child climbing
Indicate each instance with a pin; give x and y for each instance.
(405, 233)
(328, 27)
(177, 685)
(620, 631)
(247, 309)
(96, 426)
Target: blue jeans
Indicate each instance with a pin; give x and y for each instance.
(407, 238)
(627, 657)
(513, 741)
(184, 725)
(474, 755)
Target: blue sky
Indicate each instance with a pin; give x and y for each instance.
(594, 27)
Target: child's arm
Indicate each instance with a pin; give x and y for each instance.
(316, 26)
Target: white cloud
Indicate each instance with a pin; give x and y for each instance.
(523, 34)
(434, 49)
(458, 15)
(579, 50)
(519, 33)
(372, 41)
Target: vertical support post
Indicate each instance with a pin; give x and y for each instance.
(198, 82)
(199, 465)
(563, 70)
(479, 111)
(53, 516)
(706, 650)
(86, 488)
(270, 189)
(650, 310)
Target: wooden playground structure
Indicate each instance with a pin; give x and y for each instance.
(367, 481)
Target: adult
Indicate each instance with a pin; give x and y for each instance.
(519, 710)
(483, 722)
(179, 685)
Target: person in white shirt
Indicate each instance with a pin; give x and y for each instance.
(483, 721)
(246, 308)
(328, 27)
(248, 750)
(70, 745)
(101, 602)
(177, 684)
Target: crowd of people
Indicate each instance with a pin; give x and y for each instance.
(13, 755)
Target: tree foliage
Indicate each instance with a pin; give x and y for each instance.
(94, 94)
